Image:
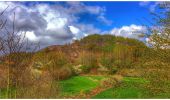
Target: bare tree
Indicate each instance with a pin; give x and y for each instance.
(13, 44)
(159, 31)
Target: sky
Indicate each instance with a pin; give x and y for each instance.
(56, 23)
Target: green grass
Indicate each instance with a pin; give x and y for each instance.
(130, 88)
(78, 84)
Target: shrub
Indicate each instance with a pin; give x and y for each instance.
(117, 78)
(77, 69)
(113, 70)
(85, 69)
(65, 72)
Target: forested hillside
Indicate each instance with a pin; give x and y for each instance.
(107, 55)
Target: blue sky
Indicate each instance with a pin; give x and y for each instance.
(53, 22)
(124, 13)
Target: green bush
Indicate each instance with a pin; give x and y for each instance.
(85, 69)
(113, 70)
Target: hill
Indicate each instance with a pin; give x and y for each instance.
(112, 57)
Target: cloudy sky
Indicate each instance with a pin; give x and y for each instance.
(52, 23)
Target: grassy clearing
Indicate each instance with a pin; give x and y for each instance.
(78, 84)
(130, 88)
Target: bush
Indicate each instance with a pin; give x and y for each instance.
(65, 72)
(113, 70)
(77, 69)
(117, 78)
(85, 69)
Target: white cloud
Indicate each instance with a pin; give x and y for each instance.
(83, 30)
(81, 7)
(88, 28)
(151, 6)
(144, 3)
(94, 9)
(49, 24)
(74, 30)
(31, 36)
(104, 20)
(132, 31)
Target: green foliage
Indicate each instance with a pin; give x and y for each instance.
(113, 70)
(85, 69)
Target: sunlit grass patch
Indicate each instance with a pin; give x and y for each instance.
(78, 84)
(130, 88)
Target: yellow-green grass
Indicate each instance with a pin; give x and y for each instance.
(77, 84)
(130, 88)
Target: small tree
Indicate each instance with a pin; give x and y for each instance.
(160, 37)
